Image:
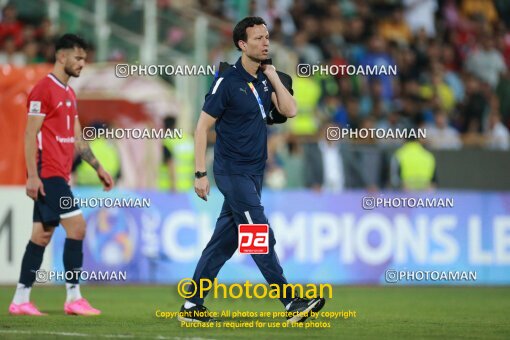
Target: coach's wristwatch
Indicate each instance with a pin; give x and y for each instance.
(199, 174)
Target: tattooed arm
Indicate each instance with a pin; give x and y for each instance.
(83, 149)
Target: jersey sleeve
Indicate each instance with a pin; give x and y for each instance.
(216, 100)
(37, 102)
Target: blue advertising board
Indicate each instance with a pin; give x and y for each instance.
(321, 237)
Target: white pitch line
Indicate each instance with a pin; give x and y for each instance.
(120, 336)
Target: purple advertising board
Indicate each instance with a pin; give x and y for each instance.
(348, 238)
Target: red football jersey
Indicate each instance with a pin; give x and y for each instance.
(57, 103)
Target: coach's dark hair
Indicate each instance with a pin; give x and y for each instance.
(70, 41)
(240, 29)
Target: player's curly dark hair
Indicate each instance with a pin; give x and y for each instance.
(69, 40)
(240, 29)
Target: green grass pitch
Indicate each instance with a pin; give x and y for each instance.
(394, 312)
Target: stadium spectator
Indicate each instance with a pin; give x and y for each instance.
(486, 62)
(178, 161)
(329, 108)
(419, 15)
(354, 38)
(365, 161)
(31, 51)
(127, 14)
(293, 164)
(352, 109)
(324, 165)
(407, 64)
(413, 167)
(373, 102)
(307, 52)
(377, 55)
(441, 136)
(10, 55)
(438, 91)
(394, 122)
(307, 92)
(46, 31)
(503, 93)
(450, 73)
(483, 8)
(497, 136)
(471, 110)
(275, 176)
(276, 13)
(395, 28)
(11, 27)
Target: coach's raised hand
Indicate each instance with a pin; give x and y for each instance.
(282, 99)
(269, 70)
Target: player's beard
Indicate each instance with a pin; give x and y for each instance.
(70, 72)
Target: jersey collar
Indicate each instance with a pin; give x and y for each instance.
(248, 77)
(58, 82)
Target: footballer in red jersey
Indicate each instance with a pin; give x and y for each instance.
(52, 135)
(56, 104)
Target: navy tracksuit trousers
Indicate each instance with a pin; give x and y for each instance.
(242, 205)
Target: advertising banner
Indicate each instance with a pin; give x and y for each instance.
(348, 238)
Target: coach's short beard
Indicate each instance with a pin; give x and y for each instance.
(257, 60)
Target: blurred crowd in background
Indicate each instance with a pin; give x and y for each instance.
(25, 42)
(452, 60)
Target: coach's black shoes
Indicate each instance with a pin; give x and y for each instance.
(300, 309)
(197, 313)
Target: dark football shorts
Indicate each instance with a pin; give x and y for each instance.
(57, 204)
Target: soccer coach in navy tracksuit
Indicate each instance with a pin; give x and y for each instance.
(237, 104)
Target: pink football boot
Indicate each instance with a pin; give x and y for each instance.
(80, 307)
(27, 308)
